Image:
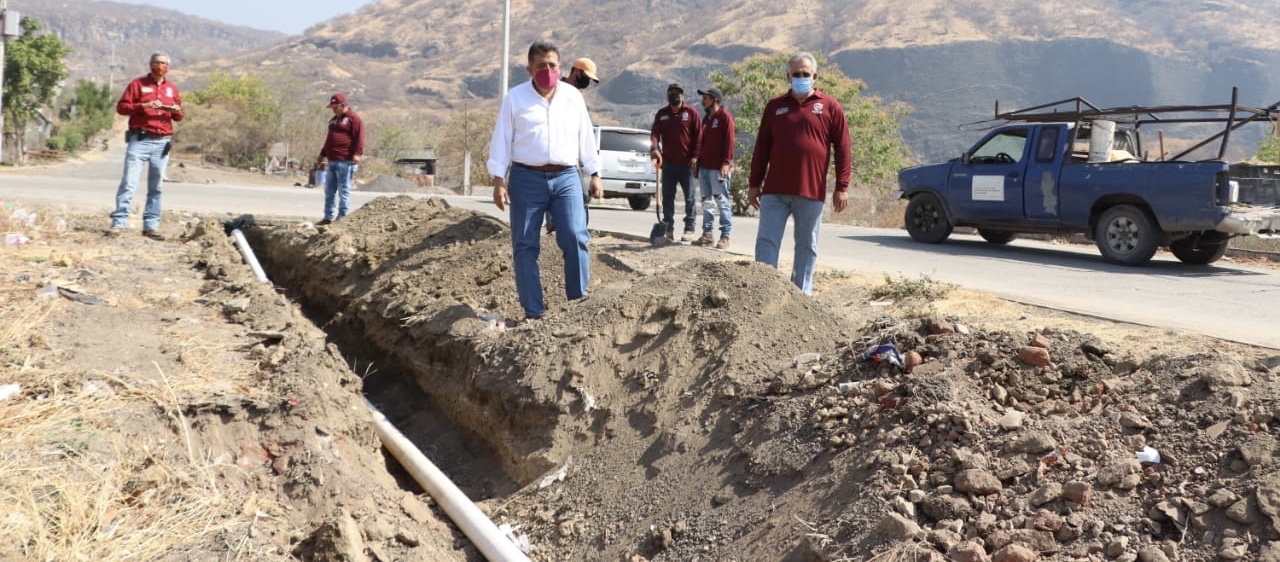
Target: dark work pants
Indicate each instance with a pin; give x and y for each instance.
(671, 175)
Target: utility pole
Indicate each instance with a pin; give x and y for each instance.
(506, 47)
(4, 37)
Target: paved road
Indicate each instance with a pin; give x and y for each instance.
(1227, 300)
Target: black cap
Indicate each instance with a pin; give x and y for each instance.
(713, 92)
(675, 87)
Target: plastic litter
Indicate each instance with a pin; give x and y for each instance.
(47, 291)
(8, 391)
(558, 475)
(521, 540)
(494, 319)
(15, 239)
(884, 353)
(1147, 454)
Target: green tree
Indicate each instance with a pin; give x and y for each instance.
(234, 119)
(88, 111)
(1269, 148)
(33, 69)
(878, 149)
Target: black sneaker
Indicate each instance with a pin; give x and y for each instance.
(324, 222)
(154, 235)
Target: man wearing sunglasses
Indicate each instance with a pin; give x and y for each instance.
(152, 104)
(800, 132)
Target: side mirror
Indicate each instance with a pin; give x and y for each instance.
(964, 158)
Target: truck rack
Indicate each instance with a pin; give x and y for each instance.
(1077, 109)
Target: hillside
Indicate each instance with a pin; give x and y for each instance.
(950, 61)
(97, 29)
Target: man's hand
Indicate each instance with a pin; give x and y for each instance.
(597, 188)
(174, 108)
(500, 198)
(153, 104)
(656, 159)
(840, 200)
(753, 197)
(356, 158)
(726, 169)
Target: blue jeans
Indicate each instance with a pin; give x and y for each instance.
(714, 186)
(151, 153)
(774, 210)
(337, 182)
(673, 174)
(533, 194)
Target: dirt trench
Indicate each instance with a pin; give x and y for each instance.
(696, 407)
(405, 282)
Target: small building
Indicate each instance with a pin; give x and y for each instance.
(420, 164)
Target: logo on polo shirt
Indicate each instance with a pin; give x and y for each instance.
(817, 108)
(782, 111)
(715, 123)
(684, 117)
(664, 117)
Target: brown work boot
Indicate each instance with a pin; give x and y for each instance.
(723, 243)
(706, 240)
(154, 235)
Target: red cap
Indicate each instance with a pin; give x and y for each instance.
(337, 99)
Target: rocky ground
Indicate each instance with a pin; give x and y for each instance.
(695, 407)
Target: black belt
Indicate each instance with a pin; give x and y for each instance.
(145, 135)
(546, 168)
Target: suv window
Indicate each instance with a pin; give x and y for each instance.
(622, 141)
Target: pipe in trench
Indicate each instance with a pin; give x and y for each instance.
(249, 258)
(491, 542)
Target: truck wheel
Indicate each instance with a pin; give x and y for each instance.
(997, 236)
(926, 219)
(1199, 249)
(639, 202)
(1126, 235)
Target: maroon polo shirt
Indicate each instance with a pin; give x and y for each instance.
(345, 140)
(153, 121)
(795, 143)
(675, 134)
(717, 140)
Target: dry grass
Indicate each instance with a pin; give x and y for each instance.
(93, 467)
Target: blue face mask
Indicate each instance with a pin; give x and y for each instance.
(802, 86)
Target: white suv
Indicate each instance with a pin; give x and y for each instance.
(625, 168)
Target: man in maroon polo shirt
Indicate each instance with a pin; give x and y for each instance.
(800, 132)
(674, 136)
(152, 103)
(715, 161)
(343, 147)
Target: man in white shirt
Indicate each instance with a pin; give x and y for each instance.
(541, 135)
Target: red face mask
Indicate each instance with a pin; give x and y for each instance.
(546, 78)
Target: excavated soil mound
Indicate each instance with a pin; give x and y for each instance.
(704, 409)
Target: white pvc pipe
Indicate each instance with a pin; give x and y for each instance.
(247, 252)
(493, 544)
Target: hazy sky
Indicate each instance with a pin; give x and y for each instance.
(289, 16)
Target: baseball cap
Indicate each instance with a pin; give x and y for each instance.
(675, 87)
(587, 66)
(713, 92)
(337, 99)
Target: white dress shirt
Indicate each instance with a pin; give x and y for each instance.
(535, 131)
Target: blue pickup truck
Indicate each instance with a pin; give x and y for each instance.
(1082, 171)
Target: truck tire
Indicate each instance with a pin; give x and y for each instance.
(1200, 249)
(926, 220)
(997, 236)
(638, 202)
(1126, 235)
